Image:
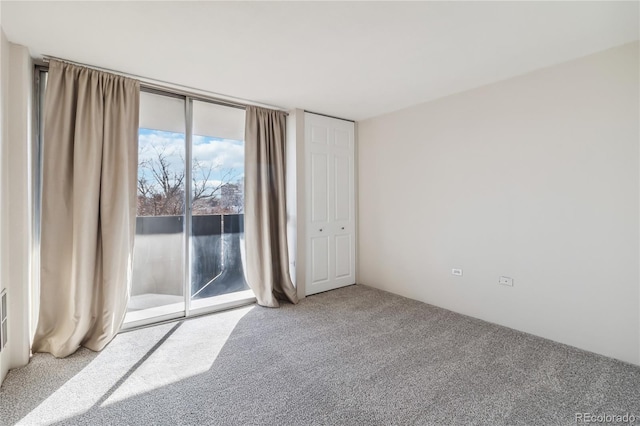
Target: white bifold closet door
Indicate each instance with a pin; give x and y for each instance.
(330, 192)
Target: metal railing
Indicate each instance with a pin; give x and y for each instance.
(216, 255)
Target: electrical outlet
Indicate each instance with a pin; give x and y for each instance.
(457, 272)
(505, 281)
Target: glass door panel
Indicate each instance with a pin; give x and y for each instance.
(158, 263)
(217, 197)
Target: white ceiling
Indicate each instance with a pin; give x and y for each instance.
(349, 59)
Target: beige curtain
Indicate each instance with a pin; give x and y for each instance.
(265, 209)
(88, 207)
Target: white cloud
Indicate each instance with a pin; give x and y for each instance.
(219, 155)
(224, 154)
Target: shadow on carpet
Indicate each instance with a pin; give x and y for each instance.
(351, 356)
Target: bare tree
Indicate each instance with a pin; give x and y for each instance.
(207, 194)
(232, 197)
(161, 187)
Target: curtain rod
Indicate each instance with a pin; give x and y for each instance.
(330, 116)
(178, 89)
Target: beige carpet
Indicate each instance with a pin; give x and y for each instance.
(354, 356)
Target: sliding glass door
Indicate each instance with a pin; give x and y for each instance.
(188, 252)
(157, 289)
(217, 203)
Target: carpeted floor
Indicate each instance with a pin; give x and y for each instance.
(354, 356)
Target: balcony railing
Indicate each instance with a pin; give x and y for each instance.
(216, 255)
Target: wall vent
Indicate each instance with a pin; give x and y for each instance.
(3, 320)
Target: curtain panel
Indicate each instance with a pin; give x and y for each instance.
(88, 207)
(265, 208)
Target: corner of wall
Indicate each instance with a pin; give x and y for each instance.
(295, 198)
(4, 62)
(298, 160)
(16, 99)
(290, 184)
(20, 194)
(357, 204)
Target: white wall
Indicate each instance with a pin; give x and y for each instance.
(4, 79)
(535, 178)
(290, 191)
(20, 199)
(16, 192)
(296, 208)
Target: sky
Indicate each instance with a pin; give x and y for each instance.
(217, 153)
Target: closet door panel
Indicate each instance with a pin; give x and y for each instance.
(319, 188)
(330, 203)
(320, 260)
(343, 252)
(342, 188)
